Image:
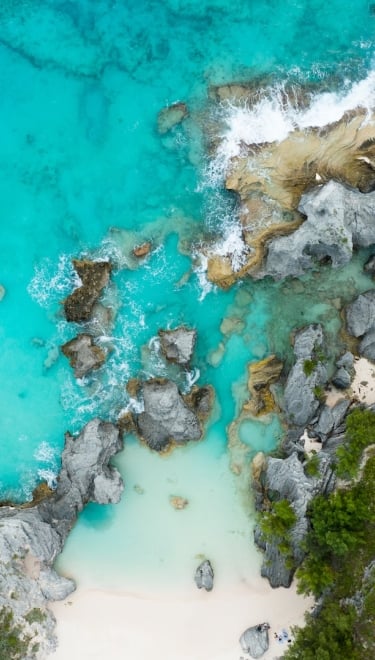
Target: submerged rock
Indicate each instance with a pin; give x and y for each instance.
(94, 276)
(83, 354)
(338, 219)
(32, 536)
(254, 640)
(204, 576)
(178, 345)
(171, 116)
(166, 418)
(2, 292)
(178, 502)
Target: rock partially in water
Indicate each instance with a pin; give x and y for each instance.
(307, 376)
(255, 641)
(178, 345)
(201, 399)
(171, 116)
(338, 219)
(78, 306)
(369, 266)
(262, 375)
(84, 356)
(33, 535)
(204, 576)
(360, 314)
(166, 417)
(142, 250)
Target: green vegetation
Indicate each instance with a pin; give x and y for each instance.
(312, 465)
(36, 615)
(14, 644)
(276, 525)
(319, 393)
(340, 547)
(309, 366)
(360, 432)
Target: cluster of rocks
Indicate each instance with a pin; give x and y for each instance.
(81, 306)
(277, 479)
(33, 535)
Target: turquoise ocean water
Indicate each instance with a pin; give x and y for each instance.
(84, 171)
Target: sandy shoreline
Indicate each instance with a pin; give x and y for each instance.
(95, 624)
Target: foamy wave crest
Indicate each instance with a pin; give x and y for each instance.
(191, 378)
(274, 116)
(49, 476)
(232, 245)
(45, 453)
(49, 286)
(200, 269)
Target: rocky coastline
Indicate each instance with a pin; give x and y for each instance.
(33, 535)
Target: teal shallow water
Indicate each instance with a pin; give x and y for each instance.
(80, 154)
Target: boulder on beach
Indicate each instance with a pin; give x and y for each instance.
(84, 356)
(94, 275)
(255, 641)
(178, 345)
(204, 576)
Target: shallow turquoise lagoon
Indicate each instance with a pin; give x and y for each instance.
(84, 172)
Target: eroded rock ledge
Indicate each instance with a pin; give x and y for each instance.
(94, 275)
(32, 536)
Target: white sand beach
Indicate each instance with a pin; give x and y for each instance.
(96, 625)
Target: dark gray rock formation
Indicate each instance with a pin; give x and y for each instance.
(330, 419)
(204, 576)
(94, 276)
(367, 345)
(32, 536)
(369, 266)
(338, 219)
(306, 376)
(166, 416)
(360, 314)
(342, 378)
(254, 640)
(286, 480)
(178, 345)
(83, 354)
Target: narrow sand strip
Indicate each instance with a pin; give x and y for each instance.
(105, 625)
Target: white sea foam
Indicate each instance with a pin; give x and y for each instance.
(200, 269)
(50, 476)
(50, 285)
(272, 118)
(45, 453)
(192, 377)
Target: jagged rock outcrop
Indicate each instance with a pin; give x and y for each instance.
(32, 536)
(262, 375)
(166, 417)
(342, 378)
(94, 276)
(178, 345)
(171, 116)
(360, 321)
(84, 356)
(254, 640)
(285, 479)
(330, 419)
(338, 219)
(307, 376)
(204, 576)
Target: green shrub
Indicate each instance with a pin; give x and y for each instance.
(360, 432)
(311, 466)
(309, 366)
(14, 644)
